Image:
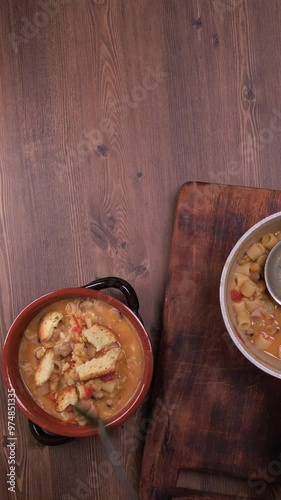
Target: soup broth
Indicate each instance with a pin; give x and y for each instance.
(81, 352)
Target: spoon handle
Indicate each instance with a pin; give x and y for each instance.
(111, 451)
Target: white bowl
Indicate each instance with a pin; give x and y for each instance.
(260, 359)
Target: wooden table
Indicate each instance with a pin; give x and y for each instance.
(107, 107)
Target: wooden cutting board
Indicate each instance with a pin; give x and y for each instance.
(212, 410)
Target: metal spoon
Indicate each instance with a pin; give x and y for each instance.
(106, 441)
(272, 272)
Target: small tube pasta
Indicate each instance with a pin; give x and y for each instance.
(269, 240)
(239, 306)
(248, 288)
(251, 305)
(256, 250)
(244, 269)
(261, 260)
(263, 341)
(243, 320)
(239, 279)
(243, 260)
(256, 268)
(258, 317)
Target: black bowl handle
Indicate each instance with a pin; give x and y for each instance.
(132, 300)
(120, 284)
(47, 439)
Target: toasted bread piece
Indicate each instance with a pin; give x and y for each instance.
(99, 336)
(67, 396)
(48, 322)
(97, 367)
(45, 368)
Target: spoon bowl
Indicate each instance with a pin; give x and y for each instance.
(272, 273)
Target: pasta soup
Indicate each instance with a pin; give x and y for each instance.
(257, 314)
(81, 352)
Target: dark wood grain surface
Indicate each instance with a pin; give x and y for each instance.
(223, 413)
(106, 108)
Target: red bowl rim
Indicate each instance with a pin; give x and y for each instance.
(24, 400)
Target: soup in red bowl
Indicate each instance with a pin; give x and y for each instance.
(77, 348)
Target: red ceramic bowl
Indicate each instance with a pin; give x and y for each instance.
(13, 378)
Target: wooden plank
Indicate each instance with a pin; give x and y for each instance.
(220, 409)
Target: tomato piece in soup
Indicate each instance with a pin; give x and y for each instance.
(235, 295)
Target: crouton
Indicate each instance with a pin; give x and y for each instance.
(48, 322)
(99, 336)
(45, 367)
(97, 367)
(66, 397)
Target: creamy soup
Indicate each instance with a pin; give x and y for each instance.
(257, 314)
(81, 352)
